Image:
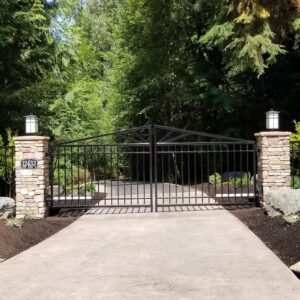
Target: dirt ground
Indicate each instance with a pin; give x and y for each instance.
(282, 238)
(16, 240)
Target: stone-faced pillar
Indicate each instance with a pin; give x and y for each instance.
(32, 175)
(273, 161)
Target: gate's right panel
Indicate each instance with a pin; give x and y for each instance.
(190, 175)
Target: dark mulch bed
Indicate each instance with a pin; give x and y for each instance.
(16, 240)
(282, 238)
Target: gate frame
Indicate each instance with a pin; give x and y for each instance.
(153, 144)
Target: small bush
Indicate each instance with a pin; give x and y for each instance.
(240, 182)
(215, 179)
(27, 216)
(86, 189)
(292, 219)
(14, 222)
(295, 182)
(73, 175)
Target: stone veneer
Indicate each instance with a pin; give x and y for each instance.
(273, 161)
(31, 185)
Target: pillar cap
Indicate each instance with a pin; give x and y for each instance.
(31, 138)
(273, 133)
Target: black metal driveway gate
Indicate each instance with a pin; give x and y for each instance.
(152, 168)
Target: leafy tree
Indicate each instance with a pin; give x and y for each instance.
(251, 34)
(26, 54)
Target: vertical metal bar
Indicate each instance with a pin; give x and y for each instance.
(137, 174)
(51, 173)
(155, 163)
(176, 169)
(181, 174)
(65, 174)
(144, 176)
(241, 170)
(189, 173)
(111, 175)
(78, 174)
(151, 146)
(58, 173)
(85, 174)
(13, 178)
(215, 170)
(162, 174)
(234, 169)
(99, 163)
(5, 170)
(221, 173)
(293, 164)
(125, 154)
(248, 172)
(130, 174)
(169, 172)
(118, 175)
(92, 173)
(202, 175)
(228, 169)
(208, 170)
(71, 165)
(254, 150)
(105, 159)
(195, 174)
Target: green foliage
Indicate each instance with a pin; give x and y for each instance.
(14, 222)
(70, 175)
(295, 182)
(81, 189)
(295, 137)
(240, 182)
(250, 34)
(26, 55)
(292, 219)
(7, 159)
(215, 179)
(89, 67)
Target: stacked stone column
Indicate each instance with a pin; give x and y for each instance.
(273, 154)
(32, 184)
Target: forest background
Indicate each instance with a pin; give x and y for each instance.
(86, 67)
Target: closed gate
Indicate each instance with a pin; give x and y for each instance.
(152, 168)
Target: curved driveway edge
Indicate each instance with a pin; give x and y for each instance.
(187, 255)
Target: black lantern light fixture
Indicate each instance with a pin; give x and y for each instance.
(272, 120)
(31, 124)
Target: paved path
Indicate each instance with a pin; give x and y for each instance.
(189, 255)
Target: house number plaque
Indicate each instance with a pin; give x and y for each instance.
(29, 163)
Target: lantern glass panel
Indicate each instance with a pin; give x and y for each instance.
(31, 124)
(272, 120)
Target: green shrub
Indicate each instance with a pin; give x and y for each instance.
(215, 179)
(295, 182)
(70, 175)
(7, 165)
(14, 222)
(241, 182)
(292, 219)
(295, 137)
(81, 190)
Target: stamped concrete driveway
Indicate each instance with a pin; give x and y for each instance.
(190, 255)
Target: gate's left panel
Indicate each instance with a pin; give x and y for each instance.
(111, 175)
